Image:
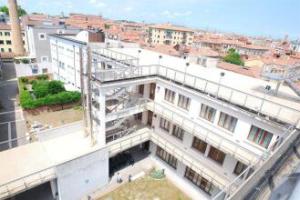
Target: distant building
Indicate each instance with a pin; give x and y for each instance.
(39, 42)
(66, 53)
(6, 39)
(170, 35)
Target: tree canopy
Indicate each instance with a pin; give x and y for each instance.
(233, 57)
(21, 11)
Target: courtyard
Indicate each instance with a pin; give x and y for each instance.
(146, 188)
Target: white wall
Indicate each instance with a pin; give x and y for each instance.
(83, 175)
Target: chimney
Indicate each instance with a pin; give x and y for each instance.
(17, 41)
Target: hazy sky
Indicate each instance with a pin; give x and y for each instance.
(254, 17)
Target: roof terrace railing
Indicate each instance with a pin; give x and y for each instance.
(249, 101)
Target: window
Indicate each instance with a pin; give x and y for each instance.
(178, 132)
(199, 145)
(44, 58)
(1, 41)
(260, 136)
(42, 36)
(207, 112)
(239, 168)
(184, 102)
(164, 124)
(8, 42)
(198, 180)
(9, 50)
(228, 122)
(169, 95)
(1, 33)
(216, 155)
(2, 49)
(7, 33)
(165, 156)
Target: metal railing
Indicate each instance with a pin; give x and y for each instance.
(189, 160)
(213, 138)
(252, 102)
(24, 183)
(120, 134)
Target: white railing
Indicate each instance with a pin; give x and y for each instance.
(189, 160)
(215, 139)
(24, 183)
(253, 102)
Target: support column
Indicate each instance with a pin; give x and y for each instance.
(54, 188)
(100, 135)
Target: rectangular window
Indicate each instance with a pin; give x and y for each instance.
(227, 121)
(216, 155)
(164, 124)
(198, 180)
(8, 42)
(260, 136)
(178, 132)
(169, 95)
(2, 49)
(239, 168)
(7, 33)
(1, 41)
(184, 102)
(199, 145)
(165, 156)
(207, 112)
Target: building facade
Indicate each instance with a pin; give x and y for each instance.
(209, 130)
(170, 35)
(39, 42)
(6, 38)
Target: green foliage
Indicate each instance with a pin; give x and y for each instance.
(21, 11)
(24, 80)
(233, 57)
(55, 87)
(40, 88)
(42, 77)
(4, 9)
(45, 98)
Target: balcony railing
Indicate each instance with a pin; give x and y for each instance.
(215, 139)
(255, 103)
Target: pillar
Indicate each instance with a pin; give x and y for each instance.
(17, 41)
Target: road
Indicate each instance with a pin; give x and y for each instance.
(12, 123)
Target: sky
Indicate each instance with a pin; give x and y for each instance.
(275, 18)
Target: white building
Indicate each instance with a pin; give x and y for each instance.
(211, 127)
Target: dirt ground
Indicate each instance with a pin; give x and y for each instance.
(146, 189)
(55, 119)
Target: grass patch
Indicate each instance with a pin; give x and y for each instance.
(146, 188)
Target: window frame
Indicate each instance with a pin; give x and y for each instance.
(223, 121)
(205, 112)
(184, 102)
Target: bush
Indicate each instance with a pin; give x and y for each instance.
(40, 89)
(24, 80)
(25, 61)
(42, 77)
(55, 87)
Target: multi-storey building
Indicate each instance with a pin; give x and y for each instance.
(6, 38)
(212, 128)
(170, 35)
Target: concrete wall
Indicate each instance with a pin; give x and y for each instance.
(83, 175)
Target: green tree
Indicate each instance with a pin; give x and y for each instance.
(21, 11)
(233, 57)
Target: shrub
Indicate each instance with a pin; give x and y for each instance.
(25, 61)
(40, 89)
(24, 80)
(42, 77)
(55, 87)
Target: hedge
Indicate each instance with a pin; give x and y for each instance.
(27, 102)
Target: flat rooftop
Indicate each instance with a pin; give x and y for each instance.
(254, 86)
